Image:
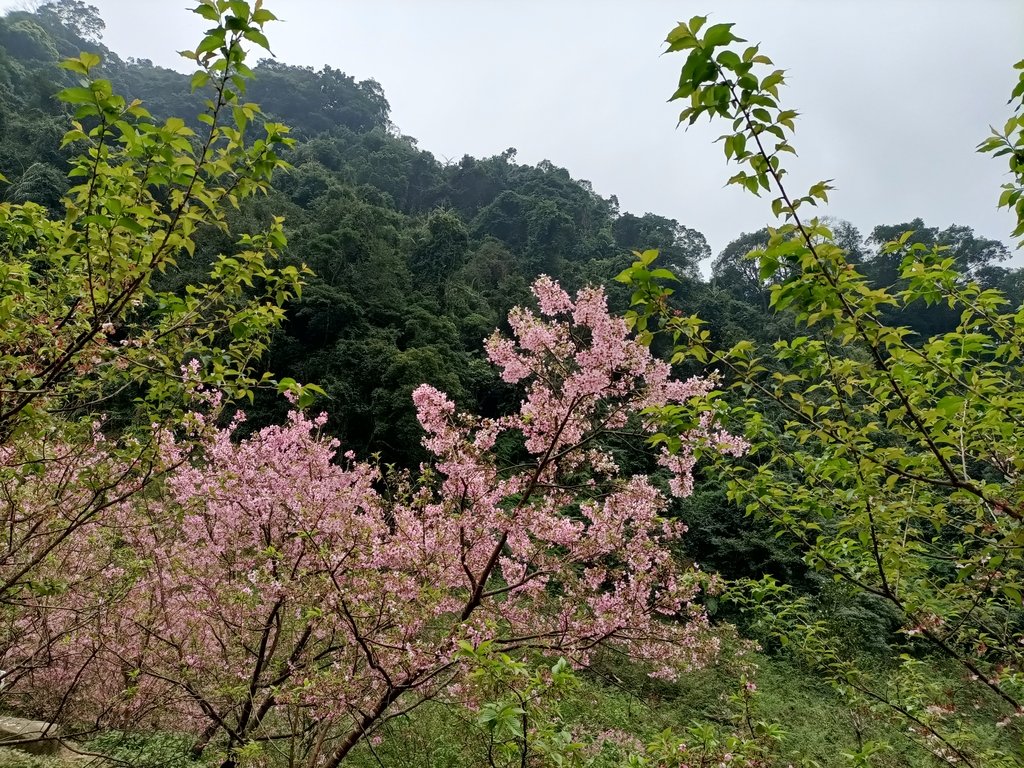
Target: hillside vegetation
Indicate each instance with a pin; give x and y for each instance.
(515, 536)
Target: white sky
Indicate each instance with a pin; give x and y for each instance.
(895, 94)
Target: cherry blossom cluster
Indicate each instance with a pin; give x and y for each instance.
(276, 581)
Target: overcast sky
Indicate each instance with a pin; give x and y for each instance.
(894, 94)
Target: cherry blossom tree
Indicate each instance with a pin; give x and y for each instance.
(277, 595)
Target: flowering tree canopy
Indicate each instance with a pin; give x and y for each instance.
(274, 588)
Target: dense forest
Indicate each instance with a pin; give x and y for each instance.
(388, 271)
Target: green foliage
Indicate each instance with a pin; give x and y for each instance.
(618, 714)
(723, 540)
(520, 714)
(13, 758)
(681, 248)
(26, 40)
(739, 275)
(1009, 143)
(442, 248)
(894, 462)
(83, 19)
(416, 260)
(81, 315)
(156, 750)
(317, 101)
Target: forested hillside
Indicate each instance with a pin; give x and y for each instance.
(415, 261)
(412, 263)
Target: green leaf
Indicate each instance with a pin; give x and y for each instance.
(719, 34)
(208, 12)
(199, 80)
(74, 65)
(131, 225)
(77, 95)
(664, 274)
(950, 405)
(211, 42)
(89, 59)
(239, 8)
(257, 37)
(774, 79)
(729, 59)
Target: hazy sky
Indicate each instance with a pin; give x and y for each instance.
(894, 94)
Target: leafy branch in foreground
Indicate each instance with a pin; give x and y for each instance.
(895, 461)
(85, 326)
(80, 315)
(1009, 143)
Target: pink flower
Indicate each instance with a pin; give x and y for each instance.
(267, 573)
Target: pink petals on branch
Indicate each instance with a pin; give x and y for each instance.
(270, 573)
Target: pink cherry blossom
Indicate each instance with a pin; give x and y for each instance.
(276, 582)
